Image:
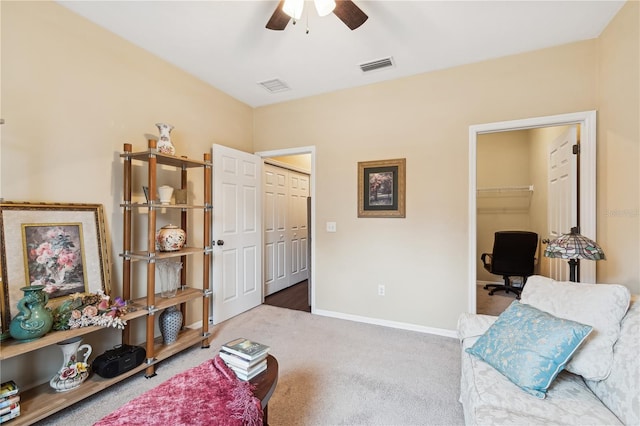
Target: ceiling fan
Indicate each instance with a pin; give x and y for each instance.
(345, 10)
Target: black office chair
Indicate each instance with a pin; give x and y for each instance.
(513, 256)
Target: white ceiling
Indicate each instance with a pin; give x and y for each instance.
(226, 44)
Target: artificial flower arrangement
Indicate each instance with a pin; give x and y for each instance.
(73, 369)
(88, 309)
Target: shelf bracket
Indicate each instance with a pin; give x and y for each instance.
(207, 293)
(151, 310)
(207, 334)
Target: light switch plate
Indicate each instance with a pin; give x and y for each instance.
(331, 227)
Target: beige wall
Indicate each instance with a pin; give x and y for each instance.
(72, 93)
(618, 178)
(422, 259)
(301, 162)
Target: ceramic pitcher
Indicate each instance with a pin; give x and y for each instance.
(73, 370)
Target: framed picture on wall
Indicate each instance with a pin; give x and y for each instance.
(60, 246)
(381, 188)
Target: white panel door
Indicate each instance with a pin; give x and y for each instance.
(298, 232)
(237, 232)
(563, 194)
(276, 253)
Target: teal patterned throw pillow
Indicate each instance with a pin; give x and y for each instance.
(530, 347)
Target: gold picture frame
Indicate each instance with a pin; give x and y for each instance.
(381, 188)
(62, 246)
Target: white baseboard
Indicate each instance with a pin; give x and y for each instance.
(375, 321)
(195, 325)
(481, 283)
(515, 281)
(386, 323)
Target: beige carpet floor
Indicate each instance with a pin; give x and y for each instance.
(492, 305)
(332, 372)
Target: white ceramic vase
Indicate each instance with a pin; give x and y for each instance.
(164, 144)
(165, 192)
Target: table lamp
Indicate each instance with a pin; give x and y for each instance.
(574, 247)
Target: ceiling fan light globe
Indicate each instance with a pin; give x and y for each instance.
(293, 8)
(325, 7)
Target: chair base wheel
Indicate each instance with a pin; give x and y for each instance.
(505, 288)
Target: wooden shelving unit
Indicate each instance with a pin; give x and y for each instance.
(42, 401)
(154, 304)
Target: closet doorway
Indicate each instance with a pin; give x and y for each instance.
(288, 246)
(285, 219)
(587, 171)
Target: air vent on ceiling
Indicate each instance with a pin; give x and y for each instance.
(377, 64)
(274, 85)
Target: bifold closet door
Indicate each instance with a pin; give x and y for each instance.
(286, 239)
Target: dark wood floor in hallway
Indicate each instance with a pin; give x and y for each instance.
(294, 297)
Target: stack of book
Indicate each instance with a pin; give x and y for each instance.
(9, 401)
(246, 358)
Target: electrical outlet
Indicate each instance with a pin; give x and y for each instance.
(381, 290)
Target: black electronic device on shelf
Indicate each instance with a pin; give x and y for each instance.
(118, 360)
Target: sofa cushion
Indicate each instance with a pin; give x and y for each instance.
(529, 346)
(621, 390)
(474, 325)
(489, 398)
(601, 306)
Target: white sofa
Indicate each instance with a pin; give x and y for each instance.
(609, 358)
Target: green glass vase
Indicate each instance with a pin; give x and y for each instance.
(34, 319)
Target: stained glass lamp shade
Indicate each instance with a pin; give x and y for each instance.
(574, 247)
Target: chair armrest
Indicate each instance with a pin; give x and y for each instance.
(484, 258)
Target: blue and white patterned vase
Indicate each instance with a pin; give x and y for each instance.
(170, 322)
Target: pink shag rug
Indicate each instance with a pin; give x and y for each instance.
(209, 394)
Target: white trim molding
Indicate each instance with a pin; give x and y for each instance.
(385, 323)
(587, 122)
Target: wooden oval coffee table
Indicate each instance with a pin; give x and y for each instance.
(265, 383)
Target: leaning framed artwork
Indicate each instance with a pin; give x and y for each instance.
(381, 188)
(60, 246)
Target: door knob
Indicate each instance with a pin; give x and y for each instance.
(220, 242)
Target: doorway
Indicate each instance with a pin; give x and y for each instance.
(310, 151)
(587, 122)
(285, 222)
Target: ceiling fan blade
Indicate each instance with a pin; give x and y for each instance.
(279, 19)
(349, 13)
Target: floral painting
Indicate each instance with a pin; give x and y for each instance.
(55, 258)
(61, 246)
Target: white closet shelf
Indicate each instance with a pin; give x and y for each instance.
(504, 199)
(505, 189)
